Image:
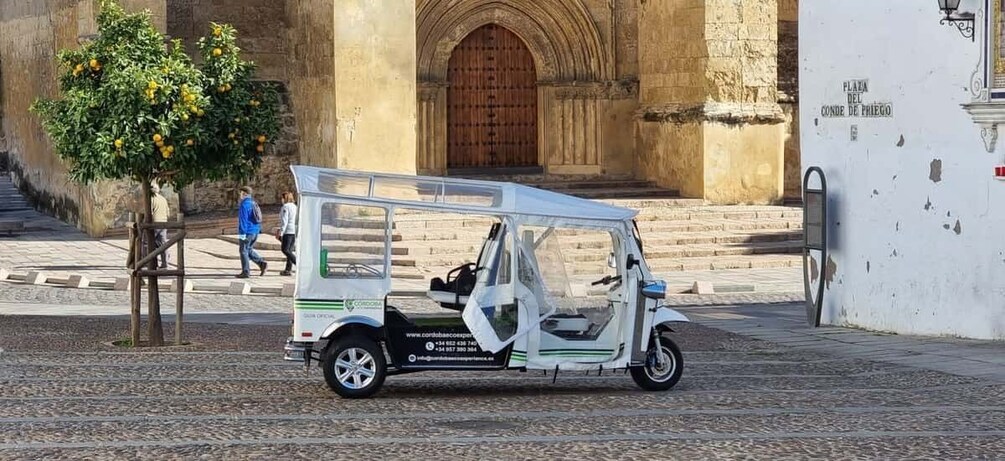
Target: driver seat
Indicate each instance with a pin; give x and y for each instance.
(453, 293)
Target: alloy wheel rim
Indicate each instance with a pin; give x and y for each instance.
(355, 368)
(661, 373)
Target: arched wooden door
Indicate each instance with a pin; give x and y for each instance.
(491, 101)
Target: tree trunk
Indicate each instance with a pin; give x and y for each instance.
(155, 331)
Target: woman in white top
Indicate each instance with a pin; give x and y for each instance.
(287, 232)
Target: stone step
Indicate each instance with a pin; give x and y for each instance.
(652, 229)
(562, 186)
(624, 193)
(691, 257)
(693, 251)
(659, 240)
(376, 246)
(704, 263)
(335, 258)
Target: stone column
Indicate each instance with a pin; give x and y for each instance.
(709, 121)
(353, 83)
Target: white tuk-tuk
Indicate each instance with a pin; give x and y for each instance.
(528, 299)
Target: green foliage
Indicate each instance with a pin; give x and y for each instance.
(134, 108)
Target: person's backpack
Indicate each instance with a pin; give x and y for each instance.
(256, 213)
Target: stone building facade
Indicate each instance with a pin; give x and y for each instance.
(695, 95)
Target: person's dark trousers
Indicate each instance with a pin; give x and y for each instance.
(247, 249)
(161, 236)
(289, 240)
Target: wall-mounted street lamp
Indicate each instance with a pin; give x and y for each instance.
(963, 21)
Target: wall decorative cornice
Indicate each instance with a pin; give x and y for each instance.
(722, 112)
(611, 90)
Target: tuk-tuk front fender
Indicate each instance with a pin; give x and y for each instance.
(352, 320)
(665, 316)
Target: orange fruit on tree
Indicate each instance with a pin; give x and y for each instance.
(95, 64)
(262, 138)
(159, 143)
(157, 137)
(260, 148)
(190, 142)
(118, 143)
(217, 31)
(217, 52)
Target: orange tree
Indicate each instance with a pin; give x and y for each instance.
(133, 108)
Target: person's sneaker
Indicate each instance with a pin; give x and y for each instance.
(242, 275)
(264, 266)
(286, 273)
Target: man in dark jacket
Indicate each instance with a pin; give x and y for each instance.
(249, 225)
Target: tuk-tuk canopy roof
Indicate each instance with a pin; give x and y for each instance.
(451, 194)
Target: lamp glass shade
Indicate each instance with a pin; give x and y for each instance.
(949, 6)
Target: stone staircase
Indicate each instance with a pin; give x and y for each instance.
(676, 237)
(16, 214)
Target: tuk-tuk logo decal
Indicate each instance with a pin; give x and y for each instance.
(364, 304)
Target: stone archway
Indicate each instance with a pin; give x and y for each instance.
(574, 67)
(491, 102)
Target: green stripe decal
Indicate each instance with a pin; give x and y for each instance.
(605, 351)
(319, 305)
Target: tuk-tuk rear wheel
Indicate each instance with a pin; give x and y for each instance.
(354, 366)
(660, 373)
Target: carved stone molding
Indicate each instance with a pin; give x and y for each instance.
(728, 113)
(429, 91)
(612, 90)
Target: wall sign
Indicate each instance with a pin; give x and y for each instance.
(856, 106)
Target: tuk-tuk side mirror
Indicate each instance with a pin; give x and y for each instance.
(632, 262)
(611, 261)
(655, 290)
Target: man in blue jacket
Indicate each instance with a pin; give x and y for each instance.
(249, 225)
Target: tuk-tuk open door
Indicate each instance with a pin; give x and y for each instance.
(508, 297)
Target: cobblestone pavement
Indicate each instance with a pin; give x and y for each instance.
(64, 394)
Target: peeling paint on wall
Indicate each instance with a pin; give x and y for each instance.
(829, 271)
(928, 204)
(900, 143)
(868, 267)
(958, 228)
(935, 171)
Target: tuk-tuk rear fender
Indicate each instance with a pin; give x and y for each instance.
(665, 316)
(366, 325)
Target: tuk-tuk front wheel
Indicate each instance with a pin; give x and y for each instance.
(354, 366)
(663, 368)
